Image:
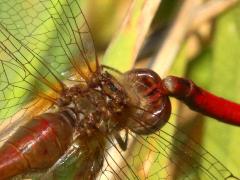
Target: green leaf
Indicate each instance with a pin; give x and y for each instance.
(217, 69)
(125, 46)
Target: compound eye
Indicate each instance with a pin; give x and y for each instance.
(112, 87)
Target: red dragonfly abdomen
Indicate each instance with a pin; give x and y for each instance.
(36, 145)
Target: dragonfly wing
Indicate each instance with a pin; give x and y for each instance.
(156, 157)
(41, 43)
(20, 82)
(68, 159)
(76, 162)
(55, 30)
(11, 120)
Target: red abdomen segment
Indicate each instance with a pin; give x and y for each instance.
(36, 145)
(201, 100)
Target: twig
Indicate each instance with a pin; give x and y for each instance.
(172, 43)
(192, 15)
(210, 10)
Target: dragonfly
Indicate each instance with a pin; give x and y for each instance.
(65, 116)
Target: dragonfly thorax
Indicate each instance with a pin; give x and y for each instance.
(95, 108)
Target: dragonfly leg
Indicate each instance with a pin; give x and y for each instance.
(122, 143)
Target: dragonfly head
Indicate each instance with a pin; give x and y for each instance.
(114, 91)
(150, 108)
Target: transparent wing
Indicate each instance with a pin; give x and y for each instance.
(157, 157)
(20, 81)
(24, 113)
(56, 30)
(78, 161)
(41, 43)
(68, 161)
(148, 157)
